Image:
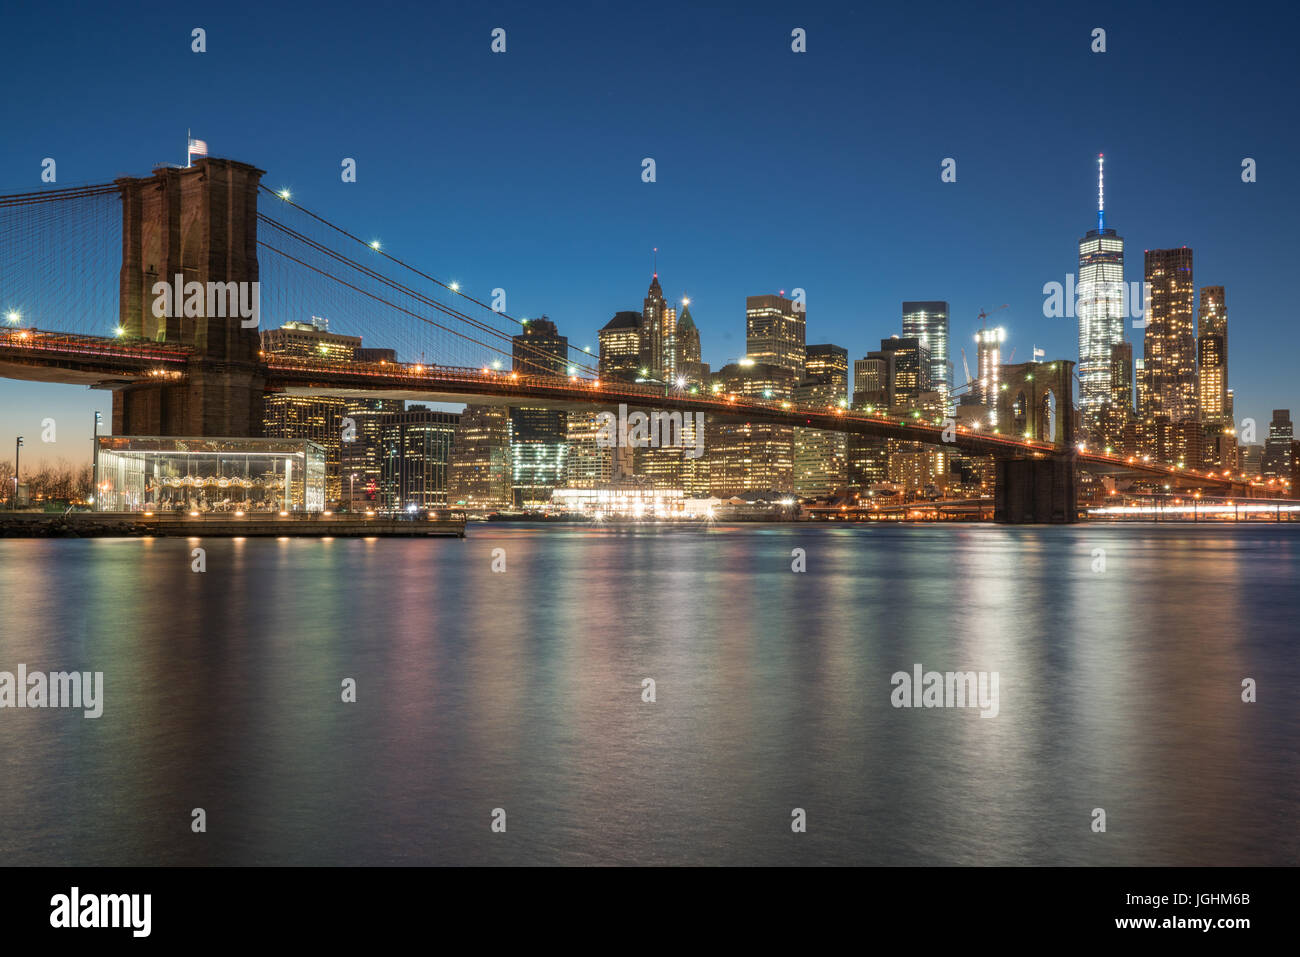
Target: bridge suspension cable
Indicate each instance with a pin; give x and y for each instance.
(405, 290)
(60, 259)
(279, 252)
(581, 361)
(57, 195)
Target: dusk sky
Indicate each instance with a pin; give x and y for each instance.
(775, 170)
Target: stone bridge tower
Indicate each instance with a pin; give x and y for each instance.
(198, 223)
(1036, 402)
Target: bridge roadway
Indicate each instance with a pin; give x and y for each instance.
(489, 387)
(37, 355)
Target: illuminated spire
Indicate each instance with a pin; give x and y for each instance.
(1101, 192)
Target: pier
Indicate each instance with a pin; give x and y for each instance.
(228, 525)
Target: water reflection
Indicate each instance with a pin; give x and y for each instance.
(523, 690)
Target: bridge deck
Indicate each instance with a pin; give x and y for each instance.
(89, 360)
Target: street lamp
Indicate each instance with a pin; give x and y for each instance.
(94, 461)
(17, 448)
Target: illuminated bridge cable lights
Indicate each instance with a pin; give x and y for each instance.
(398, 287)
(452, 287)
(395, 286)
(379, 299)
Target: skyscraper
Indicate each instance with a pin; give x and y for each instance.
(415, 446)
(1113, 421)
(538, 435)
(751, 456)
(361, 454)
(1212, 356)
(819, 456)
(911, 372)
(927, 322)
(1169, 340)
(988, 343)
(828, 365)
(658, 334)
(1276, 460)
(478, 469)
(315, 417)
(1100, 307)
(590, 464)
(1121, 376)
(621, 347)
(688, 365)
(539, 349)
(775, 332)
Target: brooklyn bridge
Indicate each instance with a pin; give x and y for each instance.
(86, 261)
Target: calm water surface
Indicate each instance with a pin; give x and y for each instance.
(522, 690)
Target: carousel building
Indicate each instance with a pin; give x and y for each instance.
(150, 473)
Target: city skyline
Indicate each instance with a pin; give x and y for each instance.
(1004, 228)
(908, 315)
(672, 436)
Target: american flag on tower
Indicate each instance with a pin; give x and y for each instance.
(196, 148)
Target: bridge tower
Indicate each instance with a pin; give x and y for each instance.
(1036, 402)
(198, 223)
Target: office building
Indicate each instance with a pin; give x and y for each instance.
(988, 381)
(658, 335)
(1169, 339)
(317, 418)
(821, 457)
(775, 332)
(309, 340)
(1276, 460)
(414, 453)
(538, 436)
(360, 454)
(911, 370)
(1212, 356)
(751, 456)
(1100, 308)
(690, 370)
(927, 323)
(590, 463)
(479, 471)
(621, 347)
(873, 382)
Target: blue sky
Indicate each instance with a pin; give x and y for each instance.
(775, 170)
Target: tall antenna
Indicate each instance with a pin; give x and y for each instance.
(656, 261)
(1101, 192)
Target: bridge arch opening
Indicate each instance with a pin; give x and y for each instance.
(1048, 424)
(1020, 414)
